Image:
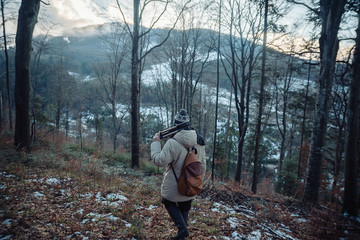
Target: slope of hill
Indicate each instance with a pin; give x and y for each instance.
(60, 192)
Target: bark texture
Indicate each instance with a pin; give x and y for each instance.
(28, 15)
(330, 15)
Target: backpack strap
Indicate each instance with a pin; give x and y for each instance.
(177, 179)
(174, 172)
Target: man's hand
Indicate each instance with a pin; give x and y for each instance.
(156, 137)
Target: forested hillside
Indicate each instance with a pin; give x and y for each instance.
(279, 113)
(62, 192)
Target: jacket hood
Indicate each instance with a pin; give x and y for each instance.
(188, 138)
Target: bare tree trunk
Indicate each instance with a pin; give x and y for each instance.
(241, 59)
(7, 68)
(283, 126)
(351, 154)
(135, 89)
(217, 94)
(303, 123)
(136, 58)
(260, 113)
(1, 105)
(99, 133)
(330, 14)
(226, 157)
(27, 20)
(79, 128)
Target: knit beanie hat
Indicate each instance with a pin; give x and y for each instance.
(181, 117)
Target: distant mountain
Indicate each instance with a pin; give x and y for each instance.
(84, 47)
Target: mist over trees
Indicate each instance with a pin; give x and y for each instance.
(286, 114)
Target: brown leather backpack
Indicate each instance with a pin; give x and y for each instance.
(190, 181)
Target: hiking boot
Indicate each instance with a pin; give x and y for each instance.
(181, 235)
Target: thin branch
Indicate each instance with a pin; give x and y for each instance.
(46, 3)
(124, 18)
(314, 10)
(168, 34)
(156, 21)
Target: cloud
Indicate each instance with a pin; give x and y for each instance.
(77, 13)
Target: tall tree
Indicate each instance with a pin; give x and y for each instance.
(240, 61)
(138, 56)
(350, 204)
(109, 75)
(261, 100)
(330, 15)
(282, 95)
(41, 47)
(135, 108)
(7, 66)
(217, 90)
(28, 15)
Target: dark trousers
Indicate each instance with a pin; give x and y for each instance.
(179, 213)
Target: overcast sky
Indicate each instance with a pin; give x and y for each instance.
(65, 14)
(62, 15)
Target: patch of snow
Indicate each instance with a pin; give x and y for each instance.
(234, 222)
(7, 222)
(4, 174)
(39, 195)
(49, 181)
(64, 192)
(88, 78)
(116, 197)
(218, 207)
(96, 216)
(87, 195)
(67, 205)
(284, 235)
(285, 228)
(242, 208)
(158, 72)
(151, 207)
(128, 225)
(85, 221)
(2, 186)
(112, 199)
(226, 238)
(254, 235)
(278, 232)
(237, 236)
(53, 181)
(301, 220)
(112, 218)
(74, 74)
(5, 238)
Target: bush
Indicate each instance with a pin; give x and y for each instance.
(117, 158)
(286, 182)
(148, 168)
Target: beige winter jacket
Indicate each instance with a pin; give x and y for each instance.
(174, 153)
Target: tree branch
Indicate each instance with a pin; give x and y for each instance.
(124, 18)
(169, 32)
(46, 3)
(314, 10)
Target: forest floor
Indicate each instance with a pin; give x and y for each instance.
(40, 201)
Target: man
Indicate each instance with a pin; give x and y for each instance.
(173, 156)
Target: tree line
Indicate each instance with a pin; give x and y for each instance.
(314, 127)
